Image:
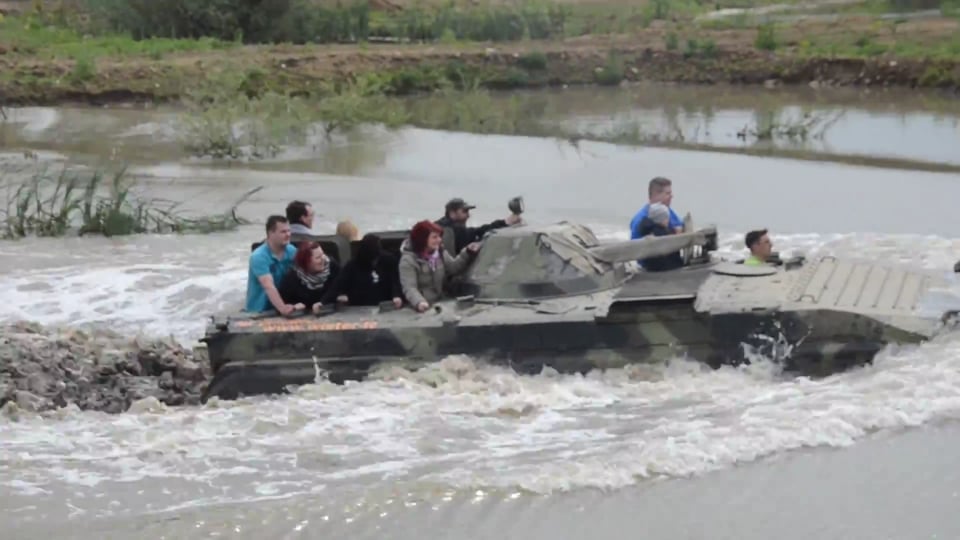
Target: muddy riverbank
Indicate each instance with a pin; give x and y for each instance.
(659, 53)
(301, 70)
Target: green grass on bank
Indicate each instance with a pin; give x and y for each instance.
(207, 25)
(26, 35)
(51, 28)
(866, 46)
(349, 21)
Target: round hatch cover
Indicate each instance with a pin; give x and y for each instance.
(736, 269)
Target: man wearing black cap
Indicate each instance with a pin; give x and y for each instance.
(457, 214)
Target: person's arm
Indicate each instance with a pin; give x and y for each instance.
(675, 222)
(476, 233)
(391, 273)
(456, 265)
(339, 283)
(408, 282)
(266, 281)
(261, 269)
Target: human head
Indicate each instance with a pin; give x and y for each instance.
(348, 230)
(300, 212)
(425, 236)
(759, 244)
(310, 257)
(660, 190)
(278, 231)
(458, 210)
(369, 249)
(659, 214)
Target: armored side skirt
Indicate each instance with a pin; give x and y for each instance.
(256, 377)
(814, 343)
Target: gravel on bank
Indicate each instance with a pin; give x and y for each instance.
(44, 368)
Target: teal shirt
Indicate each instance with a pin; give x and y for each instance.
(263, 261)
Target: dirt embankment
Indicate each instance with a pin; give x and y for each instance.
(43, 369)
(731, 57)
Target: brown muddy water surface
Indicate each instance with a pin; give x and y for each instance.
(466, 450)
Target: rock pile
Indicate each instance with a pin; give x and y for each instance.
(44, 368)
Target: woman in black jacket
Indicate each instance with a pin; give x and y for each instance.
(369, 278)
(310, 278)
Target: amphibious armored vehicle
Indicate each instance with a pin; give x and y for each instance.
(555, 296)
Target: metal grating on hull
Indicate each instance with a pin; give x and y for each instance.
(859, 285)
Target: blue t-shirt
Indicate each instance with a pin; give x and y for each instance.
(263, 261)
(675, 221)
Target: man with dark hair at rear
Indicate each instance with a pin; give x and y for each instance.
(300, 217)
(659, 190)
(268, 264)
(760, 246)
(456, 216)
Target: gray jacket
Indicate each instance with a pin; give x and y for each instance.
(419, 282)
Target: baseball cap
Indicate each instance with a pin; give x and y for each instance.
(459, 204)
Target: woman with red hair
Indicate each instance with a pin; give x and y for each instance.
(424, 265)
(309, 279)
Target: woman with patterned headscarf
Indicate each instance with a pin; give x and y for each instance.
(310, 277)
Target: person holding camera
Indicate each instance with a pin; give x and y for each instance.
(457, 214)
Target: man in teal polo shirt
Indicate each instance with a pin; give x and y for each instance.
(268, 264)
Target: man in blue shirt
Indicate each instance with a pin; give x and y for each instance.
(660, 190)
(268, 264)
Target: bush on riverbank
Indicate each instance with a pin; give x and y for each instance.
(237, 116)
(42, 203)
(315, 21)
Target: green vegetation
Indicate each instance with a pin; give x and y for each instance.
(770, 127)
(248, 92)
(869, 46)
(223, 121)
(766, 37)
(87, 31)
(231, 117)
(45, 36)
(611, 74)
(221, 22)
(272, 120)
(54, 204)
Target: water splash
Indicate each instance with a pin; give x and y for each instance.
(459, 424)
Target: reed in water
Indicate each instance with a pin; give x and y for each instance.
(45, 203)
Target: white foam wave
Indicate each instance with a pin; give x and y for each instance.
(34, 120)
(454, 424)
(466, 426)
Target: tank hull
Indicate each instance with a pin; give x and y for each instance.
(269, 355)
(555, 297)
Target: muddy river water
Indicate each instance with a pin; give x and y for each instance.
(473, 451)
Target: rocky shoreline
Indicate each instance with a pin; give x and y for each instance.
(44, 368)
